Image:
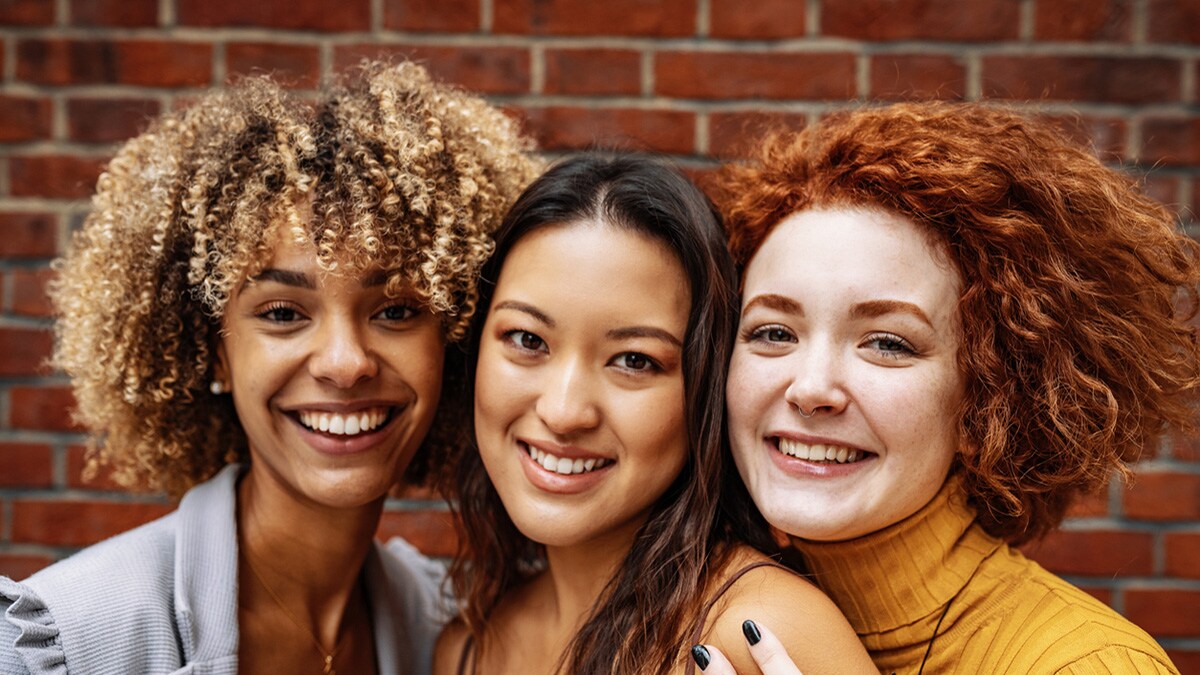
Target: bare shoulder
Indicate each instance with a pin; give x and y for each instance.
(448, 649)
(805, 620)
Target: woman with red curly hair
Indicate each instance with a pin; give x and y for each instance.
(954, 321)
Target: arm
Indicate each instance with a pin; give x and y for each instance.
(807, 624)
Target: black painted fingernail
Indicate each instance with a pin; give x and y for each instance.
(701, 656)
(751, 632)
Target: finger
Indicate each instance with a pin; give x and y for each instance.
(711, 661)
(768, 652)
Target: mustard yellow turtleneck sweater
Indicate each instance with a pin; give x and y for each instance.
(1006, 613)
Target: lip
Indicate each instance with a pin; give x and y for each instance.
(328, 444)
(803, 468)
(557, 483)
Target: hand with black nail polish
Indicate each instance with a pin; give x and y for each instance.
(768, 652)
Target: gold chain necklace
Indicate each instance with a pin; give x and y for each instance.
(328, 656)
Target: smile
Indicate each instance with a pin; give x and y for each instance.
(819, 452)
(344, 424)
(564, 465)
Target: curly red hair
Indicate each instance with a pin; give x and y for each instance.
(1077, 288)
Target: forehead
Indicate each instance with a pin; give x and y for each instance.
(859, 252)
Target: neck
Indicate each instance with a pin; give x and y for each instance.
(308, 556)
(578, 574)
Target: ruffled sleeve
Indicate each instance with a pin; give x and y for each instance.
(29, 636)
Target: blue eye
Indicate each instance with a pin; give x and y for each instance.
(889, 345)
(771, 333)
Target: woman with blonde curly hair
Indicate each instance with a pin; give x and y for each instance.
(954, 321)
(256, 313)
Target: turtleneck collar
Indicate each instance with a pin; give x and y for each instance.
(904, 573)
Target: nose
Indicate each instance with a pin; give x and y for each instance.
(567, 403)
(341, 355)
(818, 383)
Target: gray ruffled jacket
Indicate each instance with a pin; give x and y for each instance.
(162, 598)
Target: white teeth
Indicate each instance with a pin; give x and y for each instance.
(819, 452)
(350, 424)
(563, 465)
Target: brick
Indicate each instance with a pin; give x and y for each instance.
(432, 532)
(1164, 612)
(566, 128)
(650, 18)
(28, 235)
(917, 76)
(488, 70)
(104, 120)
(1102, 594)
(731, 75)
(53, 176)
(759, 20)
(1183, 554)
(316, 15)
(1083, 20)
(24, 118)
(24, 351)
(1106, 135)
(1082, 78)
(18, 566)
(1173, 21)
(1163, 188)
(29, 292)
(943, 20)
(78, 523)
(76, 461)
(1173, 141)
(26, 465)
(26, 13)
(1090, 506)
(294, 65)
(1095, 552)
(115, 13)
(593, 71)
(1185, 660)
(735, 134)
(41, 408)
(147, 63)
(432, 16)
(1163, 496)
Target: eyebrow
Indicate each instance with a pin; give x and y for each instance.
(643, 332)
(302, 280)
(527, 309)
(285, 277)
(778, 303)
(874, 308)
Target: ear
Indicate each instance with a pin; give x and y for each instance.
(221, 366)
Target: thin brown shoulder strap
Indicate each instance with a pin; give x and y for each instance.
(466, 655)
(707, 607)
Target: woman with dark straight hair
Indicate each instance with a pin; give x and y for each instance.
(594, 541)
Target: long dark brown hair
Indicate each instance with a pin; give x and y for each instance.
(651, 599)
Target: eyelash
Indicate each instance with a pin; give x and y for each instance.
(514, 339)
(905, 348)
(276, 307)
(762, 333)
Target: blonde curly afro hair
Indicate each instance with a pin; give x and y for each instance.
(395, 169)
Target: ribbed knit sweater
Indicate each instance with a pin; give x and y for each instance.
(1006, 613)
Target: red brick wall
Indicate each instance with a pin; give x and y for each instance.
(683, 77)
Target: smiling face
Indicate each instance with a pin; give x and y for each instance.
(579, 398)
(843, 388)
(334, 382)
